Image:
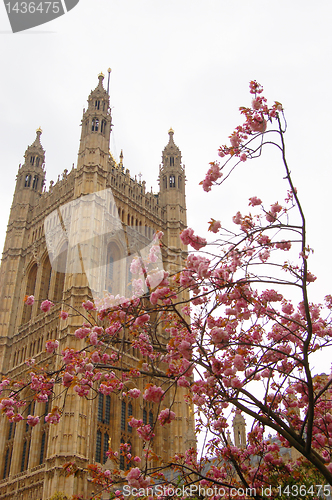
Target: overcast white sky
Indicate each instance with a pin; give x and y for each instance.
(185, 64)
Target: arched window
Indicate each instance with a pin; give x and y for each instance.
(32, 160)
(103, 126)
(97, 104)
(110, 273)
(42, 448)
(27, 440)
(61, 265)
(123, 415)
(107, 409)
(30, 290)
(171, 161)
(172, 181)
(151, 418)
(45, 280)
(130, 412)
(37, 161)
(27, 181)
(9, 449)
(35, 182)
(122, 460)
(95, 125)
(100, 407)
(8, 458)
(98, 446)
(105, 447)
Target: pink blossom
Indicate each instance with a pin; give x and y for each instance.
(219, 335)
(145, 432)
(64, 315)
(310, 277)
(214, 225)
(212, 175)
(140, 320)
(320, 439)
(264, 255)
(185, 349)
(107, 389)
(284, 245)
(235, 140)
(31, 420)
(239, 362)
(7, 403)
(53, 417)
(243, 157)
(256, 104)
(134, 393)
(93, 338)
(276, 207)
(166, 416)
(29, 300)
(253, 201)
(81, 333)
(236, 383)
(67, 379)
(133, 422)
(46, 305)
(188, 237)
(88, 305)
(158, 294)
(237, 219)
(183, 382)
(153, 393)
(136, 266)
(51, 345)
(270, 217)
(95, 357)
(258, 123)
(17, 418)
(136, 480)
(287, 308)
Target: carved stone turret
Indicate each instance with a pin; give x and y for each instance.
(239, 429)
(173, 200)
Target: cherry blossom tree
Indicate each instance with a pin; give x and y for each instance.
(241, 341)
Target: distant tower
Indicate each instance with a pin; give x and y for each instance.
(29, 185)
(173, 201)
(95, 142)
(239, 429)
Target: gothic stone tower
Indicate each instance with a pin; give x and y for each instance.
(31, 459)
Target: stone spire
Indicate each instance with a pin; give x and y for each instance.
(239, 429)
(96, 128)
(31, 176)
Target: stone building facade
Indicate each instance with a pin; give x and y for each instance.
(31, 459)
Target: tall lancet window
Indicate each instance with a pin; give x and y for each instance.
(103, 126)
(172, 181)
(95, 125)
(110, 273)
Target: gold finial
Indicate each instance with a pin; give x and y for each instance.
(101, 75)
(171, 131)
(109, 70)
(39, 130)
